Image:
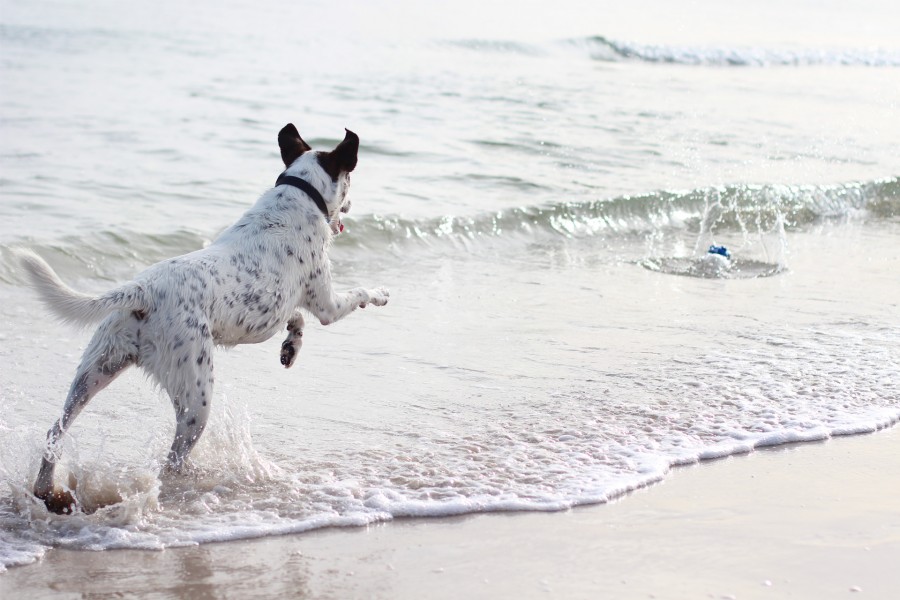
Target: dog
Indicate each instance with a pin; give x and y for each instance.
(259, 274)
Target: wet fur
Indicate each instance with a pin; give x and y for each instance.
(242, 289)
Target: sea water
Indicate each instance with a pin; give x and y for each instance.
(538, 188)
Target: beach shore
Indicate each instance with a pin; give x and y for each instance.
(816, 520)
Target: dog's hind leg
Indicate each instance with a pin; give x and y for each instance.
(291, 345)
(110, 351)
(189, 383)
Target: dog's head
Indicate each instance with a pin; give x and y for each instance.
(329, 172)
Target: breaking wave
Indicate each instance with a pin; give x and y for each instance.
(605, 49)
(602, 48)
(740, 208)
(728, 207)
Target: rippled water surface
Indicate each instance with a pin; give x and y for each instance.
(538, 190)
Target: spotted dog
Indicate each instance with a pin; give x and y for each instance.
(255, 277)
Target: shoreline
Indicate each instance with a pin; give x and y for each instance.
(807, 520)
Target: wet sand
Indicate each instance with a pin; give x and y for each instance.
(817, 520)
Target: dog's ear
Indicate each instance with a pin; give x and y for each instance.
(343, 158)
(291, 144)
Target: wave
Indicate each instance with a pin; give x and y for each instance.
(605, 49)
(102, 255)
(735, 207)
(496, 46)
(746, 209)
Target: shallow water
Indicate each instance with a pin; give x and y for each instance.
(539, 200)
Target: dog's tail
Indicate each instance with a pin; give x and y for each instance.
(74, 307)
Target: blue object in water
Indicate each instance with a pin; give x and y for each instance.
(720, 250)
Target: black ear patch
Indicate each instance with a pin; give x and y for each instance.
(343, 158)
(291, 144)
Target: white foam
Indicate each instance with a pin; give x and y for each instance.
(157, 517)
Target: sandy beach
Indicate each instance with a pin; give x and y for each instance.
(814, 520)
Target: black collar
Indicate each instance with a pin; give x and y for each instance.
(304, 186)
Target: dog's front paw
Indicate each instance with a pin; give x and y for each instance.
(288, 353)
(380, 296)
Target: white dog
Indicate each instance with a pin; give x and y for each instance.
(241, 289)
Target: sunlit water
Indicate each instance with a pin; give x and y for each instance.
(537, 190)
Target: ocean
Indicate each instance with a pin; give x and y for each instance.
(538, 186)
